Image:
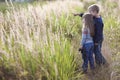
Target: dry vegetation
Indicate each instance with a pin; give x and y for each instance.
(41, 42)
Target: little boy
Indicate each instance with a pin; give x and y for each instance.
(98, 38)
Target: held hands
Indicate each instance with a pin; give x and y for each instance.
(96, 44)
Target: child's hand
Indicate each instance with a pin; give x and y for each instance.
(75, 14)
(80, 49)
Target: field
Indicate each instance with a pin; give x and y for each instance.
(40, 41)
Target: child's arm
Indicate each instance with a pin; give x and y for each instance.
(84, 34)
(78, 14)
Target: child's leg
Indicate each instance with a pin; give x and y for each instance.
(85, 60)
(103, 61)
(98, 55)
(91, 59)
(85, 64)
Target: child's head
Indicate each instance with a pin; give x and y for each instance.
(88, 22)
(94, 9)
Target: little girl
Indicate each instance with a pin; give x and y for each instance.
(87, 44)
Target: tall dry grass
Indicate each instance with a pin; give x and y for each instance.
(41, 42)
(33, 43)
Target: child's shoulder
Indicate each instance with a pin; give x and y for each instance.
(98, 20)
(98, 17)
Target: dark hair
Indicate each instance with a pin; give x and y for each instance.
(94, 7)
(89, 23)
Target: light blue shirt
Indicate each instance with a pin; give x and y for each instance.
(86, 37)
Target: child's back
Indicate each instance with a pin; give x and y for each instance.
(98, 29)
(87, 42)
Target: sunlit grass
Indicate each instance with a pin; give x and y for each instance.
(41, 42)
(36, 42)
